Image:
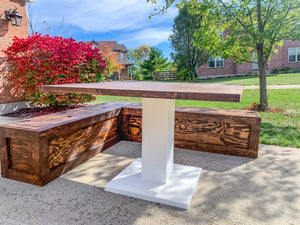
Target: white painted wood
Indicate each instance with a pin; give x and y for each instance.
(155, 177)
(177, 192)
(158, 139)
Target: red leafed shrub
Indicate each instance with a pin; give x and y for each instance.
(43, 60)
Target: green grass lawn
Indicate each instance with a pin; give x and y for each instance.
(277, 128)
(280, 79)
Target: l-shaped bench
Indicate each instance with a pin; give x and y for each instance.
(40, 149)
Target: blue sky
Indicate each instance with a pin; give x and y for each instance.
(125, 21)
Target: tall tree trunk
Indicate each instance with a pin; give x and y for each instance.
(262, 81)
(261, 60)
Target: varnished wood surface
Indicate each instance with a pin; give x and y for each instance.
(37, 153)
(3, 153)
(40, 149)
(174, 90)
(67, 147)
(94, 113)
(194, 131)
(25, 177)
(20, 155)
(233, 132)
(81, 158)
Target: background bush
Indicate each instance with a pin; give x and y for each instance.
(44, 60)
(282, 70)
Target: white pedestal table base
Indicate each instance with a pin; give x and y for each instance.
(177, 192)
(155, 177)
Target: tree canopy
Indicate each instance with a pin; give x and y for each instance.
(155, 62)
(140, 53)
(186, 56)
(137, 56)
(251, 27)
(111, 58)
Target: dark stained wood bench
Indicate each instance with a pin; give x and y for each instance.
(40, 149)
(233, 132)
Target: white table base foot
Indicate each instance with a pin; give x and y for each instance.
(177, 192)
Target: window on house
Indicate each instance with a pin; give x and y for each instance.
(121, 57)
(294, 54)
(215, 62)
(254, 63)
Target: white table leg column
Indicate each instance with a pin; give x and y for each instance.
(158, 139)
(155, 177)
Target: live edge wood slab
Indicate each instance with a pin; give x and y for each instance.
(144, 89)
(40, 149)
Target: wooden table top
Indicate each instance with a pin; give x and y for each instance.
(145, 89)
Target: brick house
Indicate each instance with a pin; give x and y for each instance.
(122, 51)
(288, 56)
(7, 33)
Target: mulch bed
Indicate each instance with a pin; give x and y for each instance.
(34, 112)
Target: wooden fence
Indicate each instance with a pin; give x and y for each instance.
(164, 75)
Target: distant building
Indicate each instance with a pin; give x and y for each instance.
(122, 53)
(288, 56)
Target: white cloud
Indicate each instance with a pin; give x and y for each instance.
(150, 36)
(127, 21)
(102, 15)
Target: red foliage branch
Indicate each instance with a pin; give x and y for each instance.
(44, 60)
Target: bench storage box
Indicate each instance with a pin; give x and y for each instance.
(40, 149)
(233, 132)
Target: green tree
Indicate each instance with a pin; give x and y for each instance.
(137, 56)
(140, 53)
(186, 56)
(252, 28)
(155, 62)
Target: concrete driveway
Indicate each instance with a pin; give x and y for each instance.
(231, 190)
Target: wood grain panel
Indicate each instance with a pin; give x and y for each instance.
(40, 149)
(67, 147)
(20, 155)
(195, 131)
(3, 153)
(229, 150)
(132, 127)
(24, 177)
(81, 158)
(212, 133)
(233, 132)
